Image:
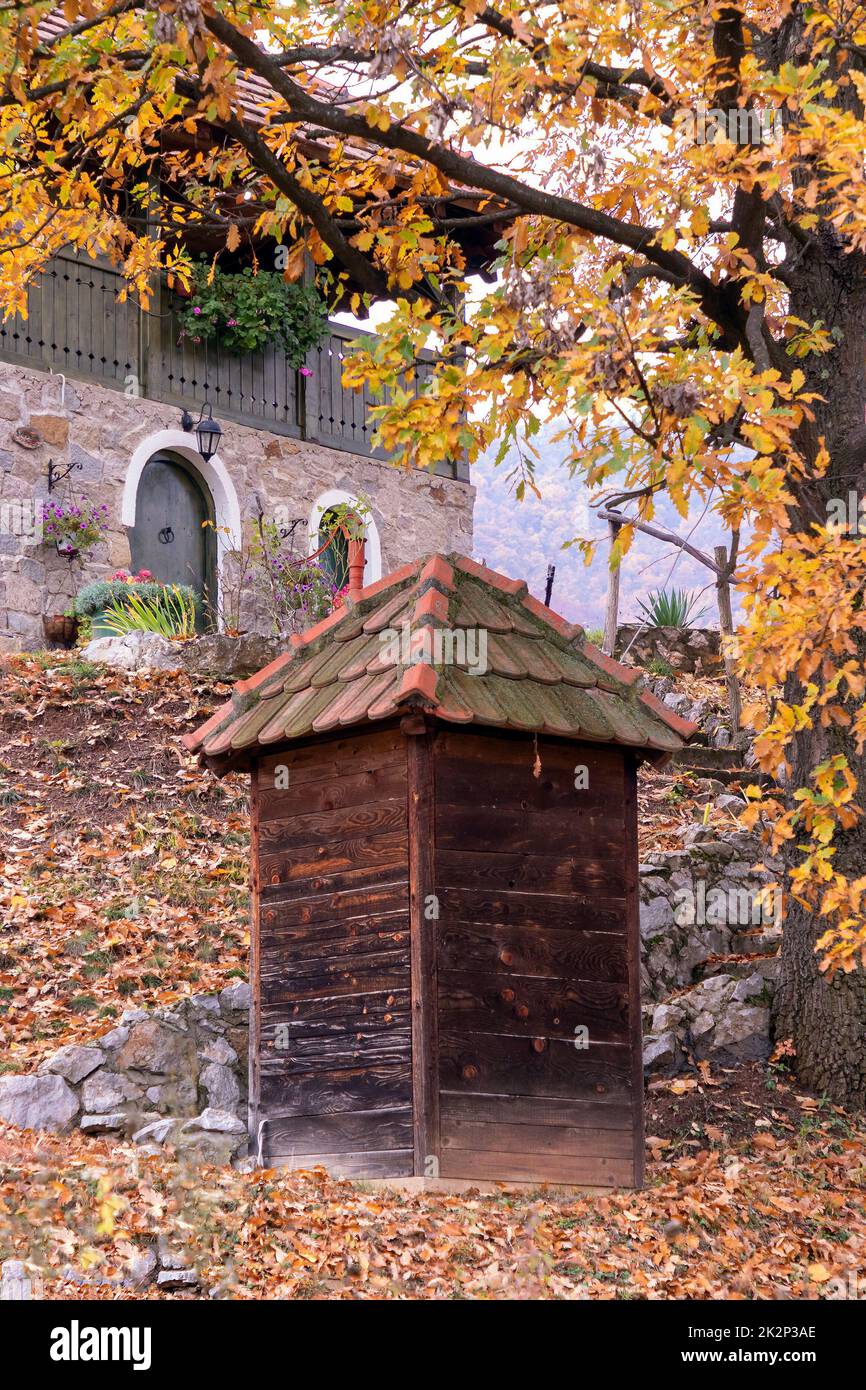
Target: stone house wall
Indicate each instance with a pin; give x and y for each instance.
(105, 430)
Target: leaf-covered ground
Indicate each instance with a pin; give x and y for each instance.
(123, 880)
(123, 869)
(781, 1214)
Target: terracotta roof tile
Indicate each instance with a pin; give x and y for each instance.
(540, 673)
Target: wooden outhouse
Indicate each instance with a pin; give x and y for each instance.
(445, 948)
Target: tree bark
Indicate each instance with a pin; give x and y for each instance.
(826, 1019)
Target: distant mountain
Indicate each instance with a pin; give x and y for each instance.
(523, 538)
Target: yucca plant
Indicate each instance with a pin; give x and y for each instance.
(670, 608)
(171, 613)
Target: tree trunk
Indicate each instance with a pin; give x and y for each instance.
(826, 1019)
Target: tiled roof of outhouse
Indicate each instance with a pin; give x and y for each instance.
(538, 674)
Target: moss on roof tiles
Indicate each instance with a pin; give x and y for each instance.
(540, 676)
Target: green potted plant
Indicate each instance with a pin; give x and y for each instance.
(61, 628)
(248, 310)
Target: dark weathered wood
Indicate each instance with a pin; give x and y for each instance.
(284, 953)
(489, 1062)
(385, 890)
(630, 874)
(384, 1086)
(331, 759)
(335, 857)
(355, 975)
(558, 832)
(341, 823)
(254, 1062)
(578, 1141)
(536, 911)
(549, 952)
(347, 1132)
(320, 1017)
(372, 875)
(424, 915)
(373, 1047)
(392, 1163)
(595, 1171)
(532, 1007)
(535, 873)
(371, 786)
(535, 1110)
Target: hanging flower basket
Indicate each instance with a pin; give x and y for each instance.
(246, 312)
(73, 530)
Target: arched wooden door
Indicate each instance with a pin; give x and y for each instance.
(169, 537)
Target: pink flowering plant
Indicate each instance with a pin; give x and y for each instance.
(74, 529)
(248, 310)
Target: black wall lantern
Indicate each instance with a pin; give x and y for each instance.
(208, 431)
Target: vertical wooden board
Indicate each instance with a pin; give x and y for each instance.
(538, 882)
(425, 1047)
(335, 979)
(254, 1061)
(630, 874)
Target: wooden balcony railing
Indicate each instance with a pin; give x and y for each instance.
(76, 324)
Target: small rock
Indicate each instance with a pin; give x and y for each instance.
(217, 1121)
(655, 917)
(105, 1091)
(154, 1047)
(236, 998)
(155, 1133)
(102, 1124)
(728, 802)
(37, 1102)
(141, 1269)
(115, 1038)
(205, 1003)
(73, 1062)
(223, 1091)
(177, 1279)
(661, 1053)
(218, 1050)
(169, 1258)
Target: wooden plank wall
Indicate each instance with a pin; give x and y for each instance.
(333, 958)
(532, 878)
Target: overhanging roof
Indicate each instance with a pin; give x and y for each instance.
(454, 640)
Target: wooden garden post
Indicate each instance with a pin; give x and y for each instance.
(612, 611)
(726, 625)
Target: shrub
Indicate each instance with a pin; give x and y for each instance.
(670, 608)
(171, 612)
(102, 593)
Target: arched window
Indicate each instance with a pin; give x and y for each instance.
(336, 558)
(326, 503)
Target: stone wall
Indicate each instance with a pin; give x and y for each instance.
(175, 1076)
(100, 428)
(708, 948)
(695, 650)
